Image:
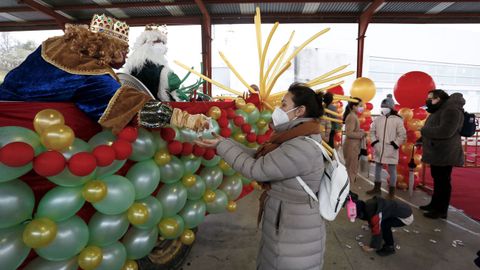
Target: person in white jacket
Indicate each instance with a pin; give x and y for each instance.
(387, 134)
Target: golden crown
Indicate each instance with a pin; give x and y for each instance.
(157, 27)
(109, 26)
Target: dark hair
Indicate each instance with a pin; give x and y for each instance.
(349, 107)
(305, 96)
(439, 93)
(328, 98)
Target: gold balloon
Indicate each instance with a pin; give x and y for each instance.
(402, 185)
(46, 118)
(249, 107)
(252, 145)
(162, 157)
(94, 191)
(57, 137)
(214, 112)
(406, 114)
(414, 124)
(168, 227)
(363, 88)
(255, 185)
(261, 123)
(209, 196)
(39, 232)
(239, 137)
(418, 159)
(419, 168)
(407, 149)
(130, 265)
(90, 258)
(137, 214)
(189, 180)
(240, 103)
(224, 165)
(231, 206)
(187, 237)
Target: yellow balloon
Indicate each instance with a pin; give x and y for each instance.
(252, 145)
(407, 149)
(231, 206)
(255, 185)
(249, 107)
(189, 180)
(239, 137)
(363, 88)
(209, 196)
(39, 232)
(406, 113)
(187, 237)
(94, 191)
(46, 118)
(90, 258)
(57, 137)
(214, 112)
(168, 227)
(224, 165)
(261, 123)
(414, 124)
(240, 103)
(130, 265)
(137, 214)
(162, 157)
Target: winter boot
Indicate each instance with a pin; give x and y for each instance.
(386, 250)
(376, 189)
(391, 193)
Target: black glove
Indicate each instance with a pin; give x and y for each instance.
(394, 145)
(373, 143)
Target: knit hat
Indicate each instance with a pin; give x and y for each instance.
(387, 104)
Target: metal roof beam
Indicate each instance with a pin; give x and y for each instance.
(44, 8)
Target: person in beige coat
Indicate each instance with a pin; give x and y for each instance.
(387, 134)
(353, 138)
(293, 232)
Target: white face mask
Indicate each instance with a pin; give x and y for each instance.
(279, 116)
(385, 111)
(360, 109)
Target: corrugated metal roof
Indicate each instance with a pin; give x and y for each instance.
(147, 11)
(69, 2)
(31, 16)
(191, 10)
(464, 7)
(9, 3)
(343, 7)
(224, 8)
(400, 7)
(281, 7)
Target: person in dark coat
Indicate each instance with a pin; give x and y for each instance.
(442, 147)
(382, 215)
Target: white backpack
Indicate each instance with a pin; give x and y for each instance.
(334, 185)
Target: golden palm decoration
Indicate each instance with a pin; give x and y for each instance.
(268, 76)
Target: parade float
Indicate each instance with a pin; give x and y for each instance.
(76, 196)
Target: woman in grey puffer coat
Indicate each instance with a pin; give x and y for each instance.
(293, 232)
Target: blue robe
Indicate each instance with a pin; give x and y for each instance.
(37, 80)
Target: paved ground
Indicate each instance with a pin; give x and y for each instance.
(229, 240)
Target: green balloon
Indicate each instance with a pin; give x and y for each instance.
(172, 171)
(8, 173)
(230, 171)
(105, 137)
(191, 163)
(155, 212)
(219, 205)
(178, 135)
(12, 249)
(262, 131)
(196, 191)
(60, 203)
(212, 162)
(212, 176)
(253, 117)
(173, 198)
(139, 242)
(246, 181)
(114, 257)
(67, 179)
(120, 195)
(16, 203)
(255, 129)
(232, 186)
(266, 115)
(72, 237)
(143, 147)
(145, 177)
(181, 227)
(188, 135)
(110, 169)
(242, 114)
(41, 264)
(193, 213)
(234, 127)
(77, 146)
(107, 229)
(159, 142)
(215, 128)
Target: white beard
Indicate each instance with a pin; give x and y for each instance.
(154, 52)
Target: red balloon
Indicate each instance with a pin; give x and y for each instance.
(419, 113)
(128, 134)
(16, 154)
(226, 132)
(187, 148)
(122, 148)
(175, 147)
(246, 128)
(82, 164)
(231, 113)
(198, 150)
(337, 90)
(49, 163)
(369, 106)
(403, 159)
(412, 89)
(223, 114)
(261, 139)
(222, 122)
(251, 137)
(238, 121)
(411, 136)
(209, 154)
(104, 155)
(168, 134)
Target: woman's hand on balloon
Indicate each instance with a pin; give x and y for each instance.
(209, 143)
